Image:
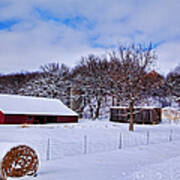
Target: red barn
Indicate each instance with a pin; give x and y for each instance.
(16, 109)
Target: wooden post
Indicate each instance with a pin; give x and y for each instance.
(131, 125)
(148, 137)
(170, 135)
(113, 103)
(48, 150)
(85, 144)
(120, 141)
(71, 100)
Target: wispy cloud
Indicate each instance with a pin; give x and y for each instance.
(75, 22)
(46, 15)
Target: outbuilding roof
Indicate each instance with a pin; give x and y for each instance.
(138, 107)
(16, 104)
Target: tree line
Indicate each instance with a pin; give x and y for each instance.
(123, 77)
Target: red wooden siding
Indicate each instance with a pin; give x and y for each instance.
(33, 119)
(17, 119)
(67, 119)
(1, 118)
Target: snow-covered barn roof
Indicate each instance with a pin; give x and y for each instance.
(16, 104)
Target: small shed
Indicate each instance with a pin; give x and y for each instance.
(16, 109)
(141, 115)
(178, 101)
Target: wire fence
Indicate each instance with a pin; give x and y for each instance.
(54, 148)
(73, 142)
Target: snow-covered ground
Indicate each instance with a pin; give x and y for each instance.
(99, 150)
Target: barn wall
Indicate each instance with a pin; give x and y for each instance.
(178, 102)
(1, 118)
(145, 116)
(67, 119)
(55, 119)
(27, 119)
(17, 119)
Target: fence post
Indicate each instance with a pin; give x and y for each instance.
(85, 144)
(170, 135)
(120, 141)
(148, 137)
(48, 150)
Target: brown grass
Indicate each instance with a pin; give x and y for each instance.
(24, 125)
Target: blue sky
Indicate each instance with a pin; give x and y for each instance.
(37, 32)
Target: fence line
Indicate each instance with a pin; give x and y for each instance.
(87, 145)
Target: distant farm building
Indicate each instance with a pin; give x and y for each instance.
(141, 115)
(153, 76)
(178, 101)
(15, 109)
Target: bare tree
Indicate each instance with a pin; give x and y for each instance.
(11, 83)
(173, 82)
(161, 93)
(55, 69)
(53, 82)
(91, 80)
(129, 67)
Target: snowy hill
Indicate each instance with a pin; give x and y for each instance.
(99, 150)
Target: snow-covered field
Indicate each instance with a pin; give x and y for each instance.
(99, 150)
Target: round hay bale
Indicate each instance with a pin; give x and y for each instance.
(19, 161)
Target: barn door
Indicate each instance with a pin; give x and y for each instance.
(39, 120)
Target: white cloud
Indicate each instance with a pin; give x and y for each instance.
(26, 48)
(33, 41)
(169, 57)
